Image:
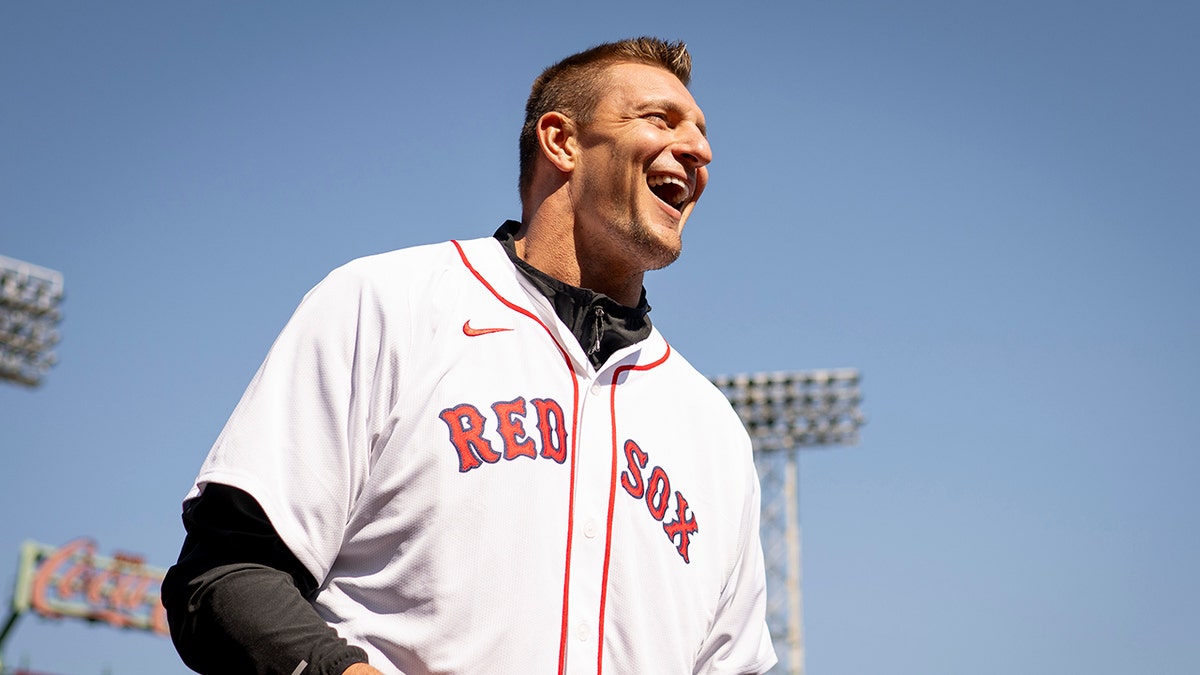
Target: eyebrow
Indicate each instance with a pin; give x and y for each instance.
(673, 107)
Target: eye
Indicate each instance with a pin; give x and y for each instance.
(658, 117)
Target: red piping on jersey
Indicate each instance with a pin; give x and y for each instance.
(612, 496)
(562, 637)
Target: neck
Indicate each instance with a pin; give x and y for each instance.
(554, 246)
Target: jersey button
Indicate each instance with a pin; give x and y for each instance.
(589, 529)
(583, 631)
(596, 389)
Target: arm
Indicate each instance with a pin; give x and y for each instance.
(294, 450)
(236, 599)
(739, 640)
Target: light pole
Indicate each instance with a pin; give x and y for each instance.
(29, 300)
(784, 412)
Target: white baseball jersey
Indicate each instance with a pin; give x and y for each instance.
(474, 496)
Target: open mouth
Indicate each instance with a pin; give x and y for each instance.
(670, 189)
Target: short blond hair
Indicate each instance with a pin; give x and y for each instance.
(573, 86)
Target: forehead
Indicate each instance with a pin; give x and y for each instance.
(632, 85)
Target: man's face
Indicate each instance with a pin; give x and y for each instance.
(640, 169)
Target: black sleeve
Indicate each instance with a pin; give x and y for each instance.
(236, 602)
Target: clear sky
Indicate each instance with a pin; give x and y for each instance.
(990, 209)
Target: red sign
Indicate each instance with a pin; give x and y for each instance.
(72, 581)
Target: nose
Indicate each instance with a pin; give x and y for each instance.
(692, 148)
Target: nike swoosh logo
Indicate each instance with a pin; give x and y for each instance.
(476, 332)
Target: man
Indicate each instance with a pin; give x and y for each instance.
(480, 456)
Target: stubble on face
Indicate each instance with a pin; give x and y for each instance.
(638, 244)
(656, 251)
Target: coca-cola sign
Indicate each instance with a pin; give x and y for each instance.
(73, 581)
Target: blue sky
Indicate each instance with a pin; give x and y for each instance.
(990, 209)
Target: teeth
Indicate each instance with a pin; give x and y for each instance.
(656, 181)
(662, 179)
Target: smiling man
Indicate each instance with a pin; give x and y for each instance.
(616, 181)
(480, 456)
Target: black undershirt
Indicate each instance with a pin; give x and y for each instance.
(236, 582)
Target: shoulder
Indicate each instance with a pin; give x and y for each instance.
(703, 393)
(412, 271)
(391, 267)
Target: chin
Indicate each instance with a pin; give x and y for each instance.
(665, 259)
(657, 248)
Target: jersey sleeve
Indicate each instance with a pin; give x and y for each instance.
(739, 641)
(300, 440)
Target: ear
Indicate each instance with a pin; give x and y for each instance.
(557, 139)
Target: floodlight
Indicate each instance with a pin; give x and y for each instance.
(29, 300)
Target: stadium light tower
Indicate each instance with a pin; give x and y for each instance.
(784, 412)
(29, 300)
